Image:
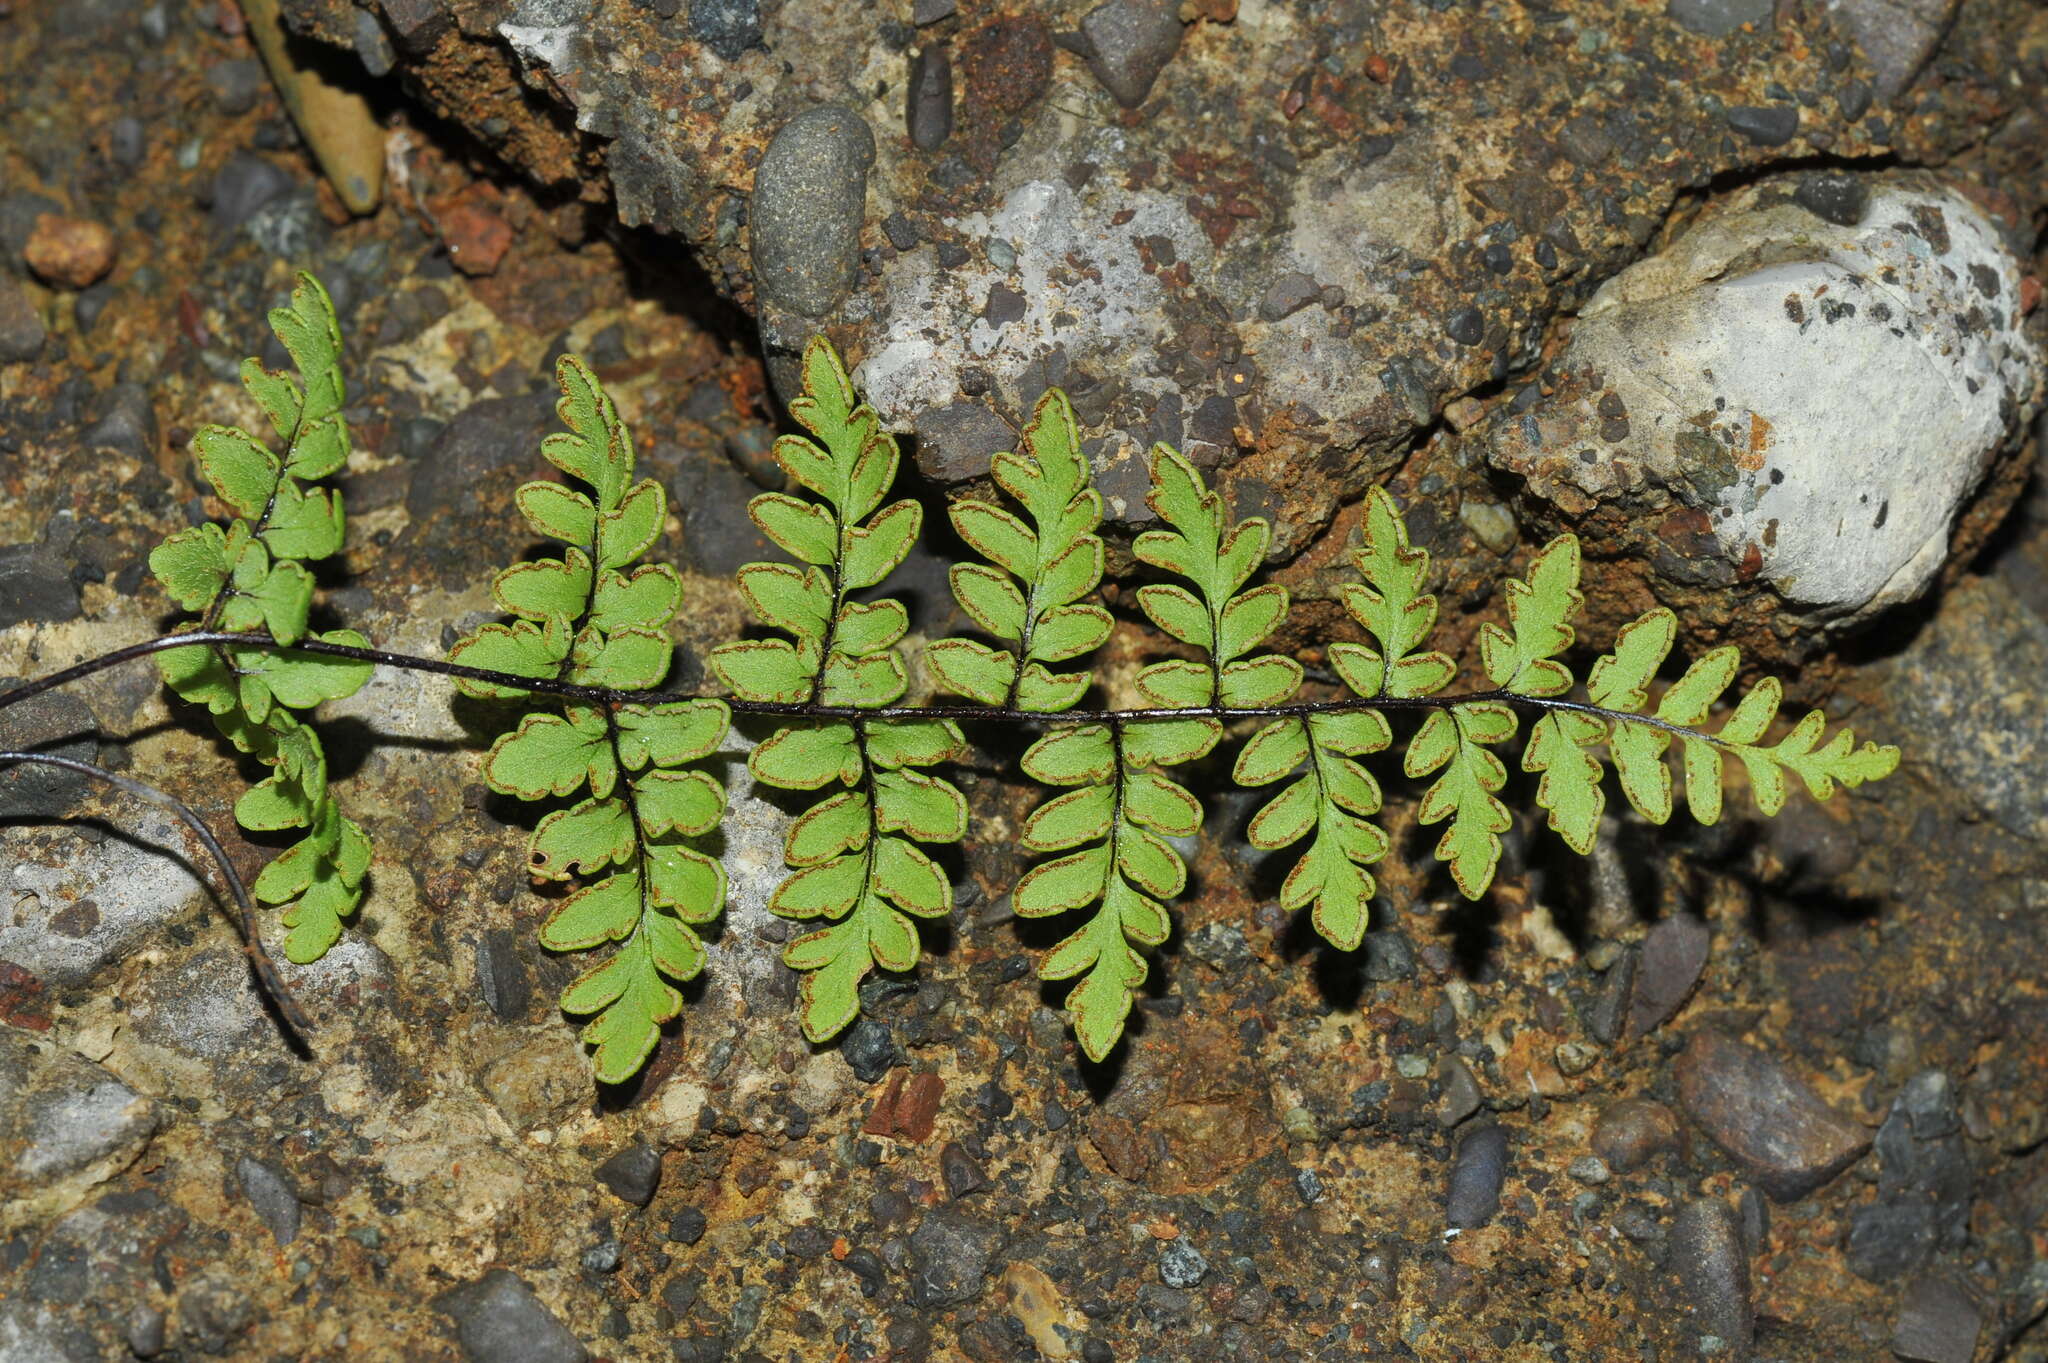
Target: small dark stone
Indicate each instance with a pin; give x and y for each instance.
(372, 48)
(123, 420)
(143, 1331)
(1719, 18)
(924, 12)
(930, 98)
(1673, 955)
(498, 1319)
(1056, 1115)
(1388, 956)
(962, 1174)
(34, 586)
(1477, 1172)
(1888, 1239)
(57, 723)
(1938, 1323)
(1129, 42)
(127, 142)
(1498, 258)
(1609, 1012)
(1854, 100)
(603, 1257)
(952, 255)
(1833, 197)
(1094, 1350)
(1466, 326)
(1287, 295)
(1461, 1097)
(869, 1050)
(956, 442)
(1308, 1186)
(21, 326)
(1005, 305)
(1764, 1117)
(632, 1174)
(242, 186)
(866, 1265)
(1632, 1132)
(90, 303)
(1766, 125)
(418, 24)
(1713, 1268)
(951, 1254)
(727, 27)
(501, 975)
(235, 84)
(901, 231)
(272, 1195)
(687, 1226)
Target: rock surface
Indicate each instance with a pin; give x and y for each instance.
(1764, 1117)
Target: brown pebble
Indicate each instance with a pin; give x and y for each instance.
(69, 252)
(1632, 1132)
(476, 234)
(1767, 1119)
(1672, 958)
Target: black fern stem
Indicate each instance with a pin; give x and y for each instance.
(606, 695)
(268, 979)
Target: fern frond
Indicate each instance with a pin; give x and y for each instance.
(857, 868)
(252, 576)
(593, 618)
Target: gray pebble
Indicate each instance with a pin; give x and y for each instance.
(1938, 1323)
(1477, 1172)
(632, 1174)
(1766, 125)
(1889, 1239)
(372, 48)
(127, 142)
(235, 84)
(143, 1331)
(687, 1226)
(924, 12)
(955, 442)
(727, 27)
(1466, 326)
(1181, 1265)
(34, 586)
(1589, 1169)
(1388, 956)
(1633, 1131)
(1833, 196)
(125, 420)
(810, 195)
(951, 1254)
(959, 1170)
(501, 976)
(1719, 18)
(1713, 1268)
(869, 1050)
(1129, 43)
(21, 326)
(1609, 1012)
(1287, 295)
(272, 1195)
(1461, 1097)
(498, 1319)
(1673, 955)
(930, 98)
(242, 186)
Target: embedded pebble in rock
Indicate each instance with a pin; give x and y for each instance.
(1713, 1267)
(1741, 355)
(272, 1196)
(69, 252)
(1887, 1239)
(21, 326)
(727, 27)
(501, 975)
(1590, 1170)
(1632, 1132)
(1181, 1265)
(1461, 1097)
(1673, 955)
(1938, 1323)
(66, 1125)
(244, 184)
(1974, 734)
(1289, 294)
(1767, 125)
(1719, 18)
(959, 1170)
(950, 1258)
(1129, 43)
(955, 442)
(78, 907)
(687, 1226)
(930, 113)
(869, 1049)
(1834, 196)
(57, 723)
(810, 197)
(1764, 1117)
(1610, 1008)
(1477, 1172)
(235, 84)
(632, 1174)
(1924, 1184)
(1897, 35)
(125, 420)
(498, 1319)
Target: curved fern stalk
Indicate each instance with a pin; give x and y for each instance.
(857, 868)
(591, 618)
(252, 576)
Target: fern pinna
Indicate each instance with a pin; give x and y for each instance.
(588, 641)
